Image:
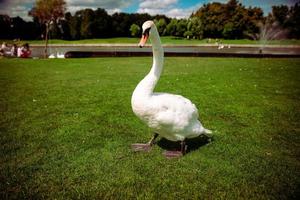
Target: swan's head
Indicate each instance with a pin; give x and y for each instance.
(148, 27)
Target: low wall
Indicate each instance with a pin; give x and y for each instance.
(92, 54)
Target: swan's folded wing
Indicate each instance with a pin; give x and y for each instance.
(173, 111)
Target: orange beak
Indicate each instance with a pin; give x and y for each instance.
(143, 40)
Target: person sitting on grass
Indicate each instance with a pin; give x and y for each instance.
(25, 51)
(14, 50)
(3, 49)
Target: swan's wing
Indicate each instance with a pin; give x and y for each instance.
(173, 111)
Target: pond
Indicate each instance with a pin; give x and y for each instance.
(170, 50)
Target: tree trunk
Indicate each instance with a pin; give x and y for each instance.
(46, 41)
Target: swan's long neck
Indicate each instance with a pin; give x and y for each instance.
(147, 85)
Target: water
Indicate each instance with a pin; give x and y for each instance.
(37, 50)
(270, 31)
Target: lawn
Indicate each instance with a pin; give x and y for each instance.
(67, 126)
(166, 40)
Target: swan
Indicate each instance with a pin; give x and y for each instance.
(60, 55)
(170, 116)
(52, 56)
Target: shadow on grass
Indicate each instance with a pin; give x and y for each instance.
(192, 144)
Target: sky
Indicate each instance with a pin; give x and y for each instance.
(171, 8)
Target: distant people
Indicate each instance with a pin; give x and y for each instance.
(19, 51)
(14, 50)
(3, 49)
(24, 52)
(4, 46)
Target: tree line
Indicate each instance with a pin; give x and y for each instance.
(230, 20)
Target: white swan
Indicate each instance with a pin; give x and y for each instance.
(60, 55)
(51, 56)
(171, 116)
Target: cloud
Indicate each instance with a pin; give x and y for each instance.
(15, 8)
(168, 7)
(157, 4)
(110, 6)
(112, 11)
(21, 8)
(179, 13)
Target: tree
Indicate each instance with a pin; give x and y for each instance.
(5, 24)
(102, 24)
(161, 25)
(74, 23)
(135, 30)
(121, 24)
(293, 21)
(171, 27)
(194, 28)
(212, 16)
(181, 27)
(47, 12)
(254, 18)
(65, 27)
(54, 30)
(18, 28)
(231, 20)
(87, 20)
(279, 14)
(228, 30)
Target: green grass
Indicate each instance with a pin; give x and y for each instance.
(67, 126)
(167, 40)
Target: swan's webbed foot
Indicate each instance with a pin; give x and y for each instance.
(209, 137)
(177, 154)
(141, 147)
(173, 154)
(144, 147)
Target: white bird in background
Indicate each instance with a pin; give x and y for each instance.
(60, 55)
(173, 117)
(52, 56)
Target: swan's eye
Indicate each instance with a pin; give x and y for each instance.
(146, 32)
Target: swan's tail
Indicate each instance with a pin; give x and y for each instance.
(207, 132)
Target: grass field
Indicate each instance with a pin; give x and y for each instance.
(166, 40)
(67, 126)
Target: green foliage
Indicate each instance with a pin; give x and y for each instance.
(87, 20)
(195, 28)
(171, 27)
(74, 24)
(231, 20)
(161, 26)
(279, 13)
(48, 10)
(229, 30)
(54, 30)
(67, 126)
(188, 34)
(181, 27)
(292, 21)
(287, 18)
(101, 24)
(135, 30)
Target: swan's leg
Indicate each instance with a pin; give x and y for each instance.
(152, 141)
(183, 147)
(177, 154)
(209, 135)
(145, 147)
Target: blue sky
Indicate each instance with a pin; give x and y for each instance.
(171, 8)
